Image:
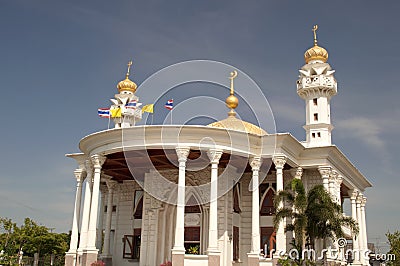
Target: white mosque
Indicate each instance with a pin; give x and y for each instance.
(137, 203)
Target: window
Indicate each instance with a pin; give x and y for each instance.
(268, 240)
(319, 134)
(139, 209)
(316, 117)
(236, 243)
(267, 206)
(192, 206)
(132, 245)
(114, 208)
(192, 240)
(236, 205)
(315, 101)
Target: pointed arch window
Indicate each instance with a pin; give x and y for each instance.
(267, 206)
(236, 199)
(139, 209)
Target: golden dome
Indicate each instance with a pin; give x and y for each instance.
(316, 52)
(127, 84)
(233, 123)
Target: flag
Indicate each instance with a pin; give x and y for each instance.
(103, 112)
(149, 108)
(116, 112)
(133, 104)
(169, 104)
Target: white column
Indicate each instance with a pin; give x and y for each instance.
(80, 175)
(356, 247)
(99, 232)
(97, 161)
(255, 164)
(297, 173)
(179, 248)
(110, 185)
(364, 225)
(86, 207)
(325, 173)
(279, 162)
(214, 156)
(361, 233)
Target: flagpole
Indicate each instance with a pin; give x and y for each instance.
(109, 118)
(171, 116)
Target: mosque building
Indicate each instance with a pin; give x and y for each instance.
(137, 202)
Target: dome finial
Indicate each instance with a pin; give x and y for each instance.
(129, 68)
(315, 28)
(127, 84)
(316, 53)
(232, 101)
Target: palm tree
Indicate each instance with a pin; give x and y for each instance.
(314, 214)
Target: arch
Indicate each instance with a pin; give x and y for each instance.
(236, 199)
(267, 203)
(138, 212)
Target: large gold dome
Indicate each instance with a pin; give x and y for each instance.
(127, 85)
(233, 123)
(316, 53)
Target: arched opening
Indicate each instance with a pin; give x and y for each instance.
(267, 205)
(236, 199)
(192, 226)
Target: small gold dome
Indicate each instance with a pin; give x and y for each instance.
(316, 53)
(127, 85)
(233, 123)
(232, 102)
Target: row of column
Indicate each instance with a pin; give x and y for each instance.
(332, 181)
(360, 241)
(86, 253)
(213, 251)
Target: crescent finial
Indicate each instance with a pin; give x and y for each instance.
(234, 74)
(315, 28)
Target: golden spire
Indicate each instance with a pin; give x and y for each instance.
(315, 28)
(129, 68)
(127, 84)
(316, 52)
(232, 101)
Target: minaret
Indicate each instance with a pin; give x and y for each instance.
(122, 115)
(316, 85)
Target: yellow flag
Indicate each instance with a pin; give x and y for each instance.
(116, 112)
(149, 108)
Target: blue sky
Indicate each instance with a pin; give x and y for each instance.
(61, 60)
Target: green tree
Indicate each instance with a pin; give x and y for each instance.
(30, 238)
(394, 241)
(314, 214)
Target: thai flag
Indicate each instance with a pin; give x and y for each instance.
(103, 112)
(132, 104)
(169, 104)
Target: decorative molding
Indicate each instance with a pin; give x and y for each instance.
(325, 171)
(279, 161)
(183, 153)
(80, 175)
(353, 194)
(97, 160)
(296, 172)
(363, 201)
(255, 163)
(111, 184)
(214, 155)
